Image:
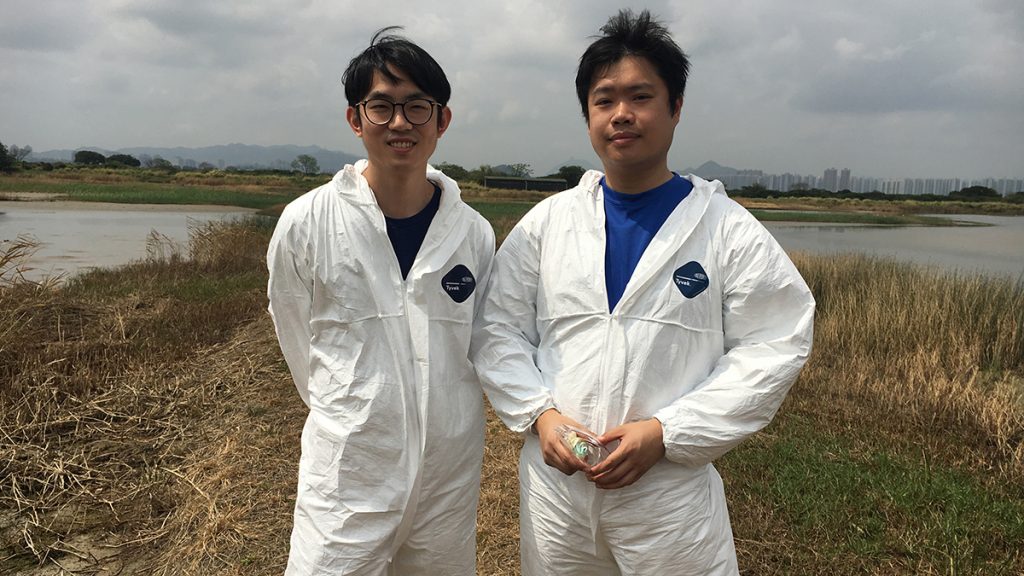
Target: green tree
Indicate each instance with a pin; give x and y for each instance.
(453, 171)
(306, 164)
(123, 160)
(520, 170)
(479, 173)
(976, 193)
(571, 174)
(89, 157)
(160, 163)
(6, 162)
(19, 153)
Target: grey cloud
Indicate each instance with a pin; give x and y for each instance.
(58, 26)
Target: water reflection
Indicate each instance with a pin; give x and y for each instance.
(76, 236)
(997, 248)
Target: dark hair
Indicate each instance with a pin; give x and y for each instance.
(626, 34)
(388, 49)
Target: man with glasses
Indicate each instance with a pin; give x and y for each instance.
(373, 289)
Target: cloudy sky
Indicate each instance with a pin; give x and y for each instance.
(909, 88)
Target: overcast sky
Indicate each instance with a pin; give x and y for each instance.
(887, 88)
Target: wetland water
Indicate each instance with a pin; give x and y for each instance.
(996, 249)
(75, 236)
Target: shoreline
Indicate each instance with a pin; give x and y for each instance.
(32, 202)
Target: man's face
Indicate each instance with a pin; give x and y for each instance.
(630, 124)
(398, 145)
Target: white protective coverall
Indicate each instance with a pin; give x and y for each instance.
(392, 446)
(711, 331)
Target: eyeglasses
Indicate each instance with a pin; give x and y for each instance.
(417, 111)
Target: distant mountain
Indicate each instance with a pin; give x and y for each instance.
(712, 169)
(222, 156)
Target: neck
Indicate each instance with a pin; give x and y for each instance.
(631, 180)
(399, 194)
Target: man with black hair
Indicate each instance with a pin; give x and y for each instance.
(372, 289)
(649, 309)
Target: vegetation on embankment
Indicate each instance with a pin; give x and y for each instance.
(108, 185)
(270, 192)
(148, 420)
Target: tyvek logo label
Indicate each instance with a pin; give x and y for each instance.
(691, 279)
(459, 283)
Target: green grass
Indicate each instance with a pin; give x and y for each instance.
(495, 210)
(214, 288)
(150, 193)
(871, 504)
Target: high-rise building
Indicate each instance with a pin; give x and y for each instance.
(844, 179)
(830, 180)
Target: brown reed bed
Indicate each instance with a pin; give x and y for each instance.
(925, 347)
(148, 424)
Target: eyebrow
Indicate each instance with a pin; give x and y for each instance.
(385, 96)
(641, 86)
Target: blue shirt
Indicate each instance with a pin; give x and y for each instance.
(407, 234)
(631, 221)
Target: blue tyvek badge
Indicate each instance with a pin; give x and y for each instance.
(459, 283)
(691, 279)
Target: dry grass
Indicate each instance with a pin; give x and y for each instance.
(473, 191)
(148, 423)
(936, 350)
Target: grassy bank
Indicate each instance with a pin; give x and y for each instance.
(269, 194)
(143, 192)
(148, 424)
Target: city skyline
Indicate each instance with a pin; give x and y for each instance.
(839, 179)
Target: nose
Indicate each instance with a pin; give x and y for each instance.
(623, 113)
(398, 119)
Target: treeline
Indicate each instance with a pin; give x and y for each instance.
(14, 159)
(571, 174)
(969, 194)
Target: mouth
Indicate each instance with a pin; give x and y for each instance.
(623, 137)
(401, 144)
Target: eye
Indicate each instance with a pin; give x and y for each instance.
(378, 105)
(417, 105)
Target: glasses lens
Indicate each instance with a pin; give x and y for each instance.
(418, 111)
(378, 111)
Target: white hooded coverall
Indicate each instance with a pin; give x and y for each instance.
(392, 446)
(711, 331)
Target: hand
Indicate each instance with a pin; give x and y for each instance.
(555, 453)
(640, 447)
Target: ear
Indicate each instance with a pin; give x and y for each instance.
(355, 122)
(444, 120)
(678, 106)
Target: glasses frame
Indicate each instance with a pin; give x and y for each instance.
(395, 105)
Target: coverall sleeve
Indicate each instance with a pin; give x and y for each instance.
(484, 267)
(505, 335)
(768, 322)
(290, 291)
